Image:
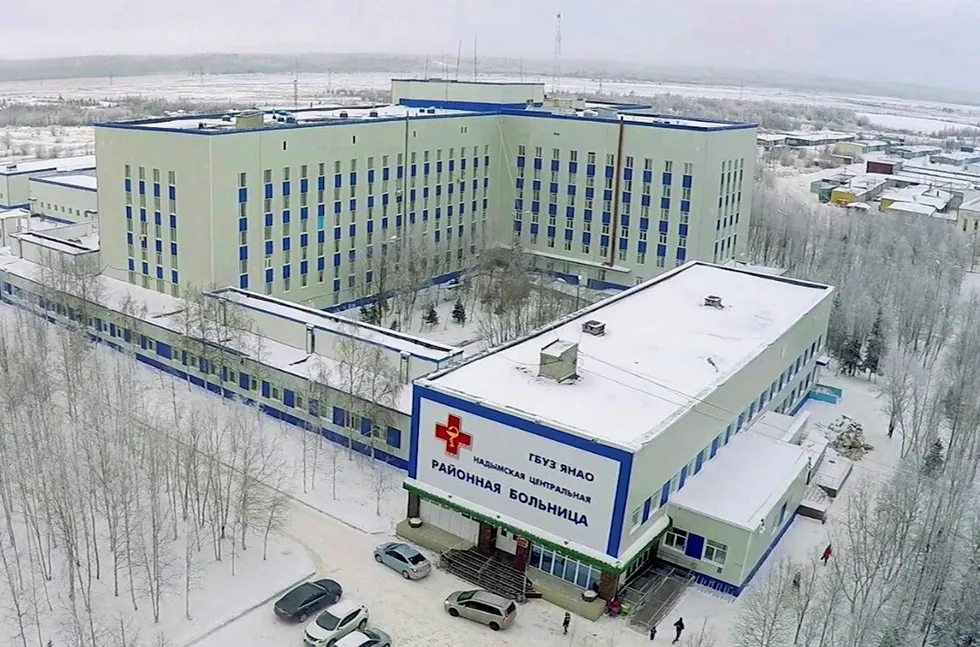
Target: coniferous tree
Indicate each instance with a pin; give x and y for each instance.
(431, 317)
(850, 357)
(932, 464)
(875, 347)
(836, 330)
(459, 312)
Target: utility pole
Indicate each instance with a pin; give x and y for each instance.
(474, 57)
(459, 55)
(556, 70)
(295, 91)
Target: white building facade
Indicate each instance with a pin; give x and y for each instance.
(15, 177)
(70, 198)
(571, 461)
(317, 206)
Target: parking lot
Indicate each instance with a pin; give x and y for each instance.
(411, 612)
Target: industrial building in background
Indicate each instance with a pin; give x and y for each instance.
(319, 205)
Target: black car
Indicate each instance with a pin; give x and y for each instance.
(307, 598)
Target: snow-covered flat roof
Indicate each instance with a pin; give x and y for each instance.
(912, 207)
(652, 364)
(76, 180)
(762, 468)
(667, 120)
(53, 165)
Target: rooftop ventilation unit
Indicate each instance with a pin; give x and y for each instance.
(558, 361)
(594, 327)
(11, 167)
(590, 113)
(431, 111)
(713, 301)
(226, 118)
(373, 113)
(342, 114)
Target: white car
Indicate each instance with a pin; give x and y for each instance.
(335, 622)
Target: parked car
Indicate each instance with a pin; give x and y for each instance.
(365, 638)
(335, 622)
(495, 611)
(403, 558)
(308, 598)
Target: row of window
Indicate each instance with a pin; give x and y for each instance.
(610, 159)
(566, 568)
(643, 512)
(224, 377)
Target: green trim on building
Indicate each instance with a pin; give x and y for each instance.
(520, 532)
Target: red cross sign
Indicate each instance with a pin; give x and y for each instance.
(452, 434)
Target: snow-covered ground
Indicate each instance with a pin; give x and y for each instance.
(806, 538)
(24, 142)
(923, 125)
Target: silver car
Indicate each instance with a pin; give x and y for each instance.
(365, 638)
(403, 558)
(495, 611)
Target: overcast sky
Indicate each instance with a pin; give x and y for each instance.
(932, 42)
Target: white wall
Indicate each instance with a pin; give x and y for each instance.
(63, 202)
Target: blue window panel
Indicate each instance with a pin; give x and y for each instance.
(321, 183)
(243, 281)
(610, 171)
(285, 216)
(337, 207)
(728, 433)
(368, 276)
(243, 253)
(698, 462)
(683, 478)
(694, 547)
(537, 163)
(644, 224)
(661, 250)
(243, 224)
(164, 350)
(534, 228)
(304, 267)
(129, 212)
(587, 215)
(555, 165)
(551, 231)
(304, 213)
(159, 271)
(518, 204)
(336, 285)
(449, 211)
(286, 243)
(438, 167)
(569, 212)
(243, 195)
(425, 168)
(536, 185)
(646, 510)
(304, 185)
(569, 233)
(645, 200)
(320, 221)
(682, 229)
(286, 271)
(320, 263)
(352, 255)
(384, 199)
(370, 202)
(641, 246)
(425, 215)
(681, 254)
(486, 160)
(336, 259)
(146, 267)
(535, 207)
(624, 220)
(520, 161)
(173, 276)
(394, 437)
(384, 173)
(268, 220)
(143, 243)
(782, 515)
(449, 189)
(268, 191)
(244, 381)
(589, 192)
(603, 240)
(414, 170)
(437, 236)
(590, 170)
(173, 249)
(131, 263)
(366, 426)
(627, 173)
(370, 175)
(353, 179)
(553, 187)
(665, 203)
(607, 194)
(648, 176)
(338, 181)
(156, 189)
(571, 189)
(129, 238)
(627, 197)
(353, 204)
(268, 247)
(266, 389)
(339, 417)
(586, 237)
(304, 240)
(552, 209)
(623, 243)
(172, 192)
(142, 187)
(128, 185)
(411, 195)
(573, 167)
(268, 275)
(400, 171)
(685, 205)
(606, 217)
(664, 494)
(717, 225)
(288, 398)
(686, 181)
(438, 189)
(352, 230)
(157, 218)
(667, 178)
(142, 214)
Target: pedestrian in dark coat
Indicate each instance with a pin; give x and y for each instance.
(679, 627)
(827, 552)
(567, 621)
(653, 631)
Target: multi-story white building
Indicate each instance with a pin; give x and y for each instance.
(15, 177)
(316, 205)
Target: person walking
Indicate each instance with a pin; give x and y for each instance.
(564, 623)
(827, 552)
(678, 627)
(653, 632)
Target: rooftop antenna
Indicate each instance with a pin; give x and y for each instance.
(296, 84)
(459, 54)
(474, 58)
(425, 70)
(555, 68)
(200, 72)
(522, 69)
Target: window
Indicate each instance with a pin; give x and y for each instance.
(635, 518)
(676, 539)
(715, 552)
